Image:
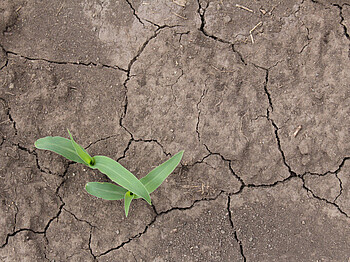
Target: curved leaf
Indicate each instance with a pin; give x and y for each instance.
(88, 160)
(127, 201)
(120, 175)
(104, 190)
(156, 177)
(59, 145)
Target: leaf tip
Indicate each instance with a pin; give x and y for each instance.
(71, 137)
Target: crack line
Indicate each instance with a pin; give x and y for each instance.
(134, 12)
(323, 199)
(342, 19)
(201, 11)
(8, 113)
(204, 92)
(154, 220)
(87, 64)
(239, 242)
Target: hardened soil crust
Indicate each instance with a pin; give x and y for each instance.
(257, 93)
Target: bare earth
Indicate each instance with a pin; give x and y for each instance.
(257, 93)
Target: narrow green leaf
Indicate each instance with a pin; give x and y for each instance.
(88, 160)
(120, 175)
(59, 145)
(156, 177)
(107, 191)
(127, 201)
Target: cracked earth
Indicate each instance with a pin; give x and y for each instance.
(256, 92)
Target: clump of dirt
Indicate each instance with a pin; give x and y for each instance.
(8, 15)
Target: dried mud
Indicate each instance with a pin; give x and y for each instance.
(257, 94)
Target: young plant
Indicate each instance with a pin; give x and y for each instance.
(129, 186)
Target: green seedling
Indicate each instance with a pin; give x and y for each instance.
(128, 188)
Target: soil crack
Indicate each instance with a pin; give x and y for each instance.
(134, 12)
(291, 172)
(125, 106)
(204, 92)
(154, 220)
(90, 248)
(243, 184)
(308, 37)
(16, 232)
(276, 128)
(335, 172)
(239, 242)
(8, 113)
(265, 84)
(201, 11)
(323, 199)
(181, 34)
(172, 85)
(6, 57)
(79, 219)
(128, 76)
(340, 186)
(99, 140)
(340, 7)
(35, 154)
(230, 167)
(132, 139)
(33, 231)
(90, 232)
(78, 63)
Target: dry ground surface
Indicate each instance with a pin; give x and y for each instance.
(257, 93)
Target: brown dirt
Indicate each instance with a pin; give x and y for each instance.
(258, 97)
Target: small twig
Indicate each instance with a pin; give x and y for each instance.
(251, 37)
(185, 18)
(188, 186)
(222, 71)
(3, 122)
(244, 8)
(257, 25)
(19, 8)
(218, 103)
(59, 10)
(251, 31)
(273, 8)
(296, 132)
(179, 4)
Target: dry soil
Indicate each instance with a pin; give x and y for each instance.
(257, 93)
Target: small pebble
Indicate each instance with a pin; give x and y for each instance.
(227, 19)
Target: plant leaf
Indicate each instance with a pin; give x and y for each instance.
(127, 201)
(120, 175)
(104, 190)
(156, 177)
(81, 152)
(59, 145)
